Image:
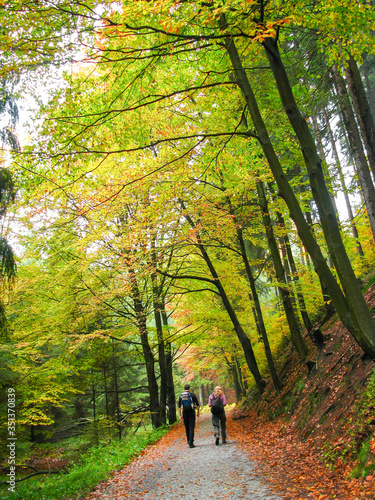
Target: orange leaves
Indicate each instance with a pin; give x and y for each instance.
(297, 468)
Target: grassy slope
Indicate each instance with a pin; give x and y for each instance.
(83, 474)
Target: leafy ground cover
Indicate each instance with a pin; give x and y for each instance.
(82, 471)
(320, 431)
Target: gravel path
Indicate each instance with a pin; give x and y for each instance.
(171, 469)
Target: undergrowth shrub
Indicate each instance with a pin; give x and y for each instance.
(364, 437)
(87, 471)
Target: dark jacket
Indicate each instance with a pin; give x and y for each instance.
(193, 397)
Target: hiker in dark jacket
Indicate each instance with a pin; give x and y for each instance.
(187, 402)
(216, 402)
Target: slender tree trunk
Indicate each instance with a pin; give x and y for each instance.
(362, 110)
(325, 165)
(147, 352)
(287, 272)
(117, 402)
(106, 391)
(93, 401)
(257, 310)
(343, 185)
(158, 306)
(362, 322)
(364, 176)
(237, 378)
(370, 91)
(295, 276)
(357, 319)
(295, 332)
(171, 396)
(162, 363)
(258, 313)
(242, 337)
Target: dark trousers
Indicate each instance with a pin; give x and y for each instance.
(220, 421)
(189, 421)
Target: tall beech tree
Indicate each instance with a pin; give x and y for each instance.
(216, 282)
(362, 110)
(343, 184)
(294, 327)
(356, 147)
(258, 315)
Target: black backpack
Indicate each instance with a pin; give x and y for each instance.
(187, 401)
(216, 405)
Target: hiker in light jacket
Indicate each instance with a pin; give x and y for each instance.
(216, 402)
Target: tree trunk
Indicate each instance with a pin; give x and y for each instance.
(295, 277)
(236, 376)
(325, 165)
(370, 91)
(362, 110)
(162, 363)
(295, 332)
(343, 185)
(93, 402)
(362, 323)
(106, 392)
(117, 402)
(244, 341)
(355, 143)
(147, 352)
(287, 272)
(171, 396)
(258, 312)
(158, 306)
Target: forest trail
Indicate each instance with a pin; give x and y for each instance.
(170, 469)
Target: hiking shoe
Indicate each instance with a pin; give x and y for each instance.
(191, 445)
(224, 441)
(217, 441)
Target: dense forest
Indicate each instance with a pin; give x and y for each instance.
(191, 192)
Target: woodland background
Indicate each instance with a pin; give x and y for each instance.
(192, 197)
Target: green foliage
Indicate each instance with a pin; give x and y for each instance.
(366, 463)
(363, 433)
(101, 430)
(286, 403)
(370, 282)
(92, 467)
